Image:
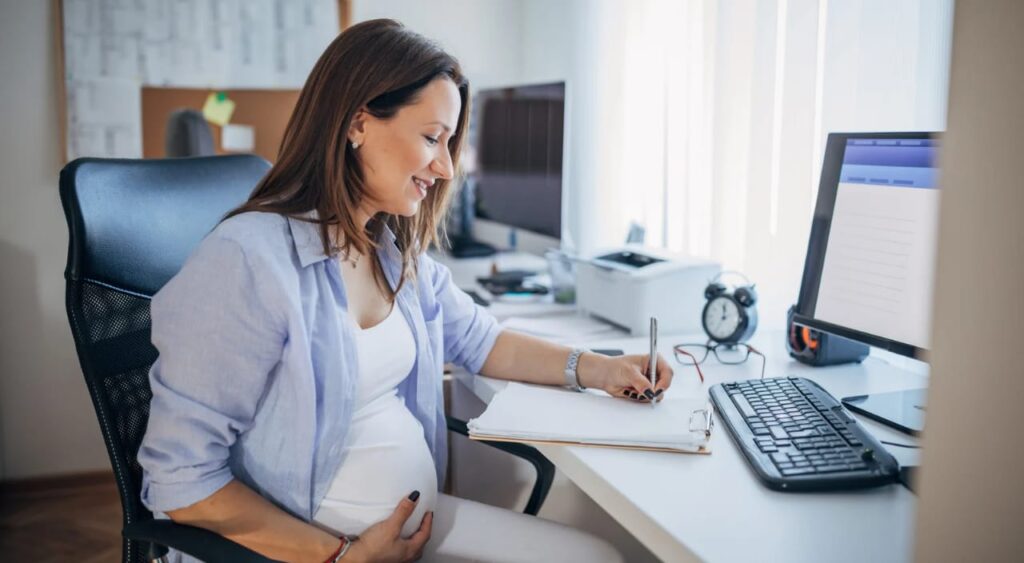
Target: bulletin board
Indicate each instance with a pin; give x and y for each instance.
(266, 111)
(113, 52)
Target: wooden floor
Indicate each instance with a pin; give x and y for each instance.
(70, 520)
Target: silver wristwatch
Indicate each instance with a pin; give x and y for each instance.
(572, 380)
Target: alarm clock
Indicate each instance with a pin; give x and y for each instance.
(729, 316)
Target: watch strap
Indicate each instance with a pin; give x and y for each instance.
(572, 380)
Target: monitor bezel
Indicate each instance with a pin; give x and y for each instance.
(814, 262)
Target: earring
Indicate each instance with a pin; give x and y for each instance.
(355, 145)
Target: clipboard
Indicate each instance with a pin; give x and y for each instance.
(701, 450)
(551, 416)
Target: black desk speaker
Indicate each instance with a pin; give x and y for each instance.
(817, 348)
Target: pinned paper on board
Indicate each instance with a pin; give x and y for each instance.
(238, 138)
(218, 108)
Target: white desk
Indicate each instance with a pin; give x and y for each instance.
(689, 507)
(465, 271)
(713, 508)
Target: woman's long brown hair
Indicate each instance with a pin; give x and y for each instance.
(381, 66)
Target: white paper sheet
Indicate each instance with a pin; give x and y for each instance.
(532, 412)
(237, 138)
(562, 328)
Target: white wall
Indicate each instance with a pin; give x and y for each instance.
(47, 425)
(485, 35)
(580, 42)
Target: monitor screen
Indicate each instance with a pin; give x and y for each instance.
(871, 259)
(518, 136)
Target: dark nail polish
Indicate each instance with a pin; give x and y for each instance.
(649, 394)
(414, 496)
(658, 392)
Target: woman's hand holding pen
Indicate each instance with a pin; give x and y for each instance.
(624, 376)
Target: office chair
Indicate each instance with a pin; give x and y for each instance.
(132, 224)
(188, 134)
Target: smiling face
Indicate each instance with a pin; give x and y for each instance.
(401, 157)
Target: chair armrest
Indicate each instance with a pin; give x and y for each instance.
(545, 469)
(197, 542)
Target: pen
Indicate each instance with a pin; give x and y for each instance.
(652, 360)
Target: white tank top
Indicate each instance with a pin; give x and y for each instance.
(387, 456)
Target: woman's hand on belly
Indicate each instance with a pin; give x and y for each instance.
(383, 540)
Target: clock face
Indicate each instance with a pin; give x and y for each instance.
(721, 318)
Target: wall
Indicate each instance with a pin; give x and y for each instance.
(484, 36)
(970, 495)
(579, 41)
(47, 425)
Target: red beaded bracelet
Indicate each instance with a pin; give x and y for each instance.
(342, 549)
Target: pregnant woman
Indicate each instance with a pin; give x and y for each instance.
(297, 403)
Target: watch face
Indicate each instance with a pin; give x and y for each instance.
(721, 318)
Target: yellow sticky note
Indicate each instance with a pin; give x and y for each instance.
(218, 108)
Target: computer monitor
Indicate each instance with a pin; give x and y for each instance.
(518, 136)
(870, 263)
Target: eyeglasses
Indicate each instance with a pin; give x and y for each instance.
(729, 354)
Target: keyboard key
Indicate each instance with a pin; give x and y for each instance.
(780, 457)
(778, 433)
(744, 406)
(832, 468)
(797, 471)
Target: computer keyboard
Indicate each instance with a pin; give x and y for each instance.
(797, 437)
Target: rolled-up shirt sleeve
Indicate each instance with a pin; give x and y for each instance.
(469, 330)
(219, 336)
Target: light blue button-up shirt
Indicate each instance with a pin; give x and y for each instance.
(258, 365)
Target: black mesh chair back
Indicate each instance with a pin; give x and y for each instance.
(132, 224)
(188, 134)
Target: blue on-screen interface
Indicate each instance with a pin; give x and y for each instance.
(880, 259)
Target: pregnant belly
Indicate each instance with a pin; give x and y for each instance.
(386, 459)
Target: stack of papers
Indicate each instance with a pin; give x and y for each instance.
(562, 327)
(531, 413)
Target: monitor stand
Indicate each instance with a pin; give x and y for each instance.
(902, 410)
(466, 247)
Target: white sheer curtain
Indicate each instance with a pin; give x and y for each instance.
(724, 108)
